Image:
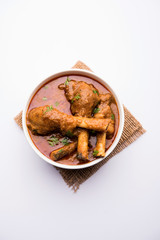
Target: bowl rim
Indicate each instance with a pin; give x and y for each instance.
(85, 73)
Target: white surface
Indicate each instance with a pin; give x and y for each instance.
(120, 40)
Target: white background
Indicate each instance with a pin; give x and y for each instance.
(120, 40)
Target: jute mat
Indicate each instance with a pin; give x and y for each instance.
(132, 130)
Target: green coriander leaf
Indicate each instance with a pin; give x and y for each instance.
(53, 141)
(67, 81)
(56, 104)
(69, 133)
(45, 87)
(96, 110)
(65, 141)
(112, 116)
(77, 96)
(44, 98)
(95, 91)
(61, 150)
(50, 143)
(95, 152)
(48, 108)
(45, 111)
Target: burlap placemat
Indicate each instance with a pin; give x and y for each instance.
(132, 130)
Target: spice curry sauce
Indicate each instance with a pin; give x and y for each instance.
(50, 94)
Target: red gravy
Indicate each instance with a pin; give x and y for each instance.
(50, 94)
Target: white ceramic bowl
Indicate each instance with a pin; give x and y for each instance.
(86, 74)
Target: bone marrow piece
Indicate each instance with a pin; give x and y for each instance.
(63, 151)
(73, 119)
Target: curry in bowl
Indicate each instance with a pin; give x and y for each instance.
(73, 119)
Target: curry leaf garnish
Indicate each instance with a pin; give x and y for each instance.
(95, 152)
(53, 141)
(95, 91)
(48, 108)
(56, 104)
(67, 81)
(96, 110)
(112, 116)
(44, 98)
(69, 133)
(65, 141)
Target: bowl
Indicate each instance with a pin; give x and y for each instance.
(85, 74)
